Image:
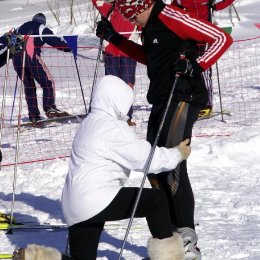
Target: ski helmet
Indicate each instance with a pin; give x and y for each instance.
(40, 17)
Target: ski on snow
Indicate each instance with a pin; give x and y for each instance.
(44, 122)
(34, 225)
(47, 226)
(10, 256)
(6, 256)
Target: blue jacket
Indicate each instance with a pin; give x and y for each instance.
(36, 28)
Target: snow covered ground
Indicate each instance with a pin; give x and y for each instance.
(224, 172)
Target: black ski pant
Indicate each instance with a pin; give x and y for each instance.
(84, 236)
(35, 69)
(182, 203)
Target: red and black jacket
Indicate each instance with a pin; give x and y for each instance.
(166, 32)
(119, 23)
(201, 8)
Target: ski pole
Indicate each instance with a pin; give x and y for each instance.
(15, 89)
(236, 12)
(82, 93)
(96, 71)
(98, 57)
(10, 231)
(220, 95)
(148, 163)
(67, 245)
(230, 13)
(210, 10)
(4, 96)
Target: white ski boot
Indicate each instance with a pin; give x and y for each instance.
(166, 249)
(190, 240)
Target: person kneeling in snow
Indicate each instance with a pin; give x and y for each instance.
(104, 151)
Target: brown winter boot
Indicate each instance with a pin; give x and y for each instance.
(166, 249)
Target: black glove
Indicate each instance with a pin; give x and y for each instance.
(187, 67)
(184, 67)
(106, 31)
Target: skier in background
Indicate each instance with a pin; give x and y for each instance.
(104, 152)
(35, 68)
(168, 32)
(117, 63)
(203, 9)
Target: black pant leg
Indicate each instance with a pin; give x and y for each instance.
(183, 200)
(43, 76)
(152, 205)
(84, 237)
(181, 205)
(83, 240)
(29, 85)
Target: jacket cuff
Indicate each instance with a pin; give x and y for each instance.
(116, 38)
(196, 67)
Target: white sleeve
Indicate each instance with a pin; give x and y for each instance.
(132, 153)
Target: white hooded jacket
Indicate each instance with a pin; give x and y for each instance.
(105, 150)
